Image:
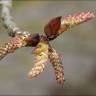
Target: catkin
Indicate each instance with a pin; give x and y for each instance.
(73, 20)
(57, 65)
(41, 55)
(12, 45)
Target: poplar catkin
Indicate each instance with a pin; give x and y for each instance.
(73, 20)
(57, 65)
(41, 55)
(12, 45)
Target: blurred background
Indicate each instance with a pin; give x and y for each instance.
(77, 48)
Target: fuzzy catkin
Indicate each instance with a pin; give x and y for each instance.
(73, 20)
(41, 55)
(77, 18)
(57, 65)
(12, 45)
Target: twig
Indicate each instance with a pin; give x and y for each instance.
(43, 50)
(9, 23)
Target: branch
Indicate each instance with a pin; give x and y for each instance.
(43, 50)
(9, 23)
(19, 38)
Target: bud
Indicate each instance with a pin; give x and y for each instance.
(51, 29)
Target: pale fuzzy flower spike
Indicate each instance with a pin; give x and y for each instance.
(60, 24)
(41, 55)
(78, 18)
(12, 45)
(75, 19)
(57, 65)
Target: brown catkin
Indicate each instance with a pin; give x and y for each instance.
(12, 45)
(41, 55)
(73, 20)
(57, 65)
(77, 18)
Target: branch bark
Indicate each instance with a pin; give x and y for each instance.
(9, 23)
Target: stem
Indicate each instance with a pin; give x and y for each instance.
(9, 23)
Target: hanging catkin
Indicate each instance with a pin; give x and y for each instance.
(41, 55)
(12, 45)
(57, 65)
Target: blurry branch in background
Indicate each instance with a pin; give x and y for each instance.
(9, 23)
(19, 37)
(43, 50)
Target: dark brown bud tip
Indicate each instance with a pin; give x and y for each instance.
(51, 29)
(33, 39)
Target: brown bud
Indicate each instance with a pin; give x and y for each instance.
(51, 29)
(33, 39)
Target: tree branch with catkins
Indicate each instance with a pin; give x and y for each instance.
(41, 43)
